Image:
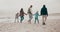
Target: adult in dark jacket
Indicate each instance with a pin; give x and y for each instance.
(44, 14)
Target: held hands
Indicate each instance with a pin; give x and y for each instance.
(25, 14)
(39, 15)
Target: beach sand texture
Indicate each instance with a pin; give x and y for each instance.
(52, 25)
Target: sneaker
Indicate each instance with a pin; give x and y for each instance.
(44, 23)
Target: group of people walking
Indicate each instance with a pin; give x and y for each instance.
(43, 13)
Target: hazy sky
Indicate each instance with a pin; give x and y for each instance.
(10, 7)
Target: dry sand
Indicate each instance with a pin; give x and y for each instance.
(51, 26)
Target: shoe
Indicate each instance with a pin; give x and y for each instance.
(44, 23)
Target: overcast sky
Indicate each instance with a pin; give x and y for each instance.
(10, 7)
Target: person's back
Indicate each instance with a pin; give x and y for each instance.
(21, 13)
(36, 14)
(29, 13)
(43, 11)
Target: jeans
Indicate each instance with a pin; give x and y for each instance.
(36, 19)
(22, 18)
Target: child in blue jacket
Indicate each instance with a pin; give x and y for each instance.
(36, 17)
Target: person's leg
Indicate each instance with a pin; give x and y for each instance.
(17, 19)
(38, 21)
(35, 21)
(45, 17)
(30, 20)
(22, 18)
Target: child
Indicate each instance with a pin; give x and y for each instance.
(17, 17)
(36, 17)
(30, 14)
(22, 15)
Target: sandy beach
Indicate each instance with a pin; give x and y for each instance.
(9, 8)
(52, 25)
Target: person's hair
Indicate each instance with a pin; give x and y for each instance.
(21, 10)
(30, 6)
(44, 6)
